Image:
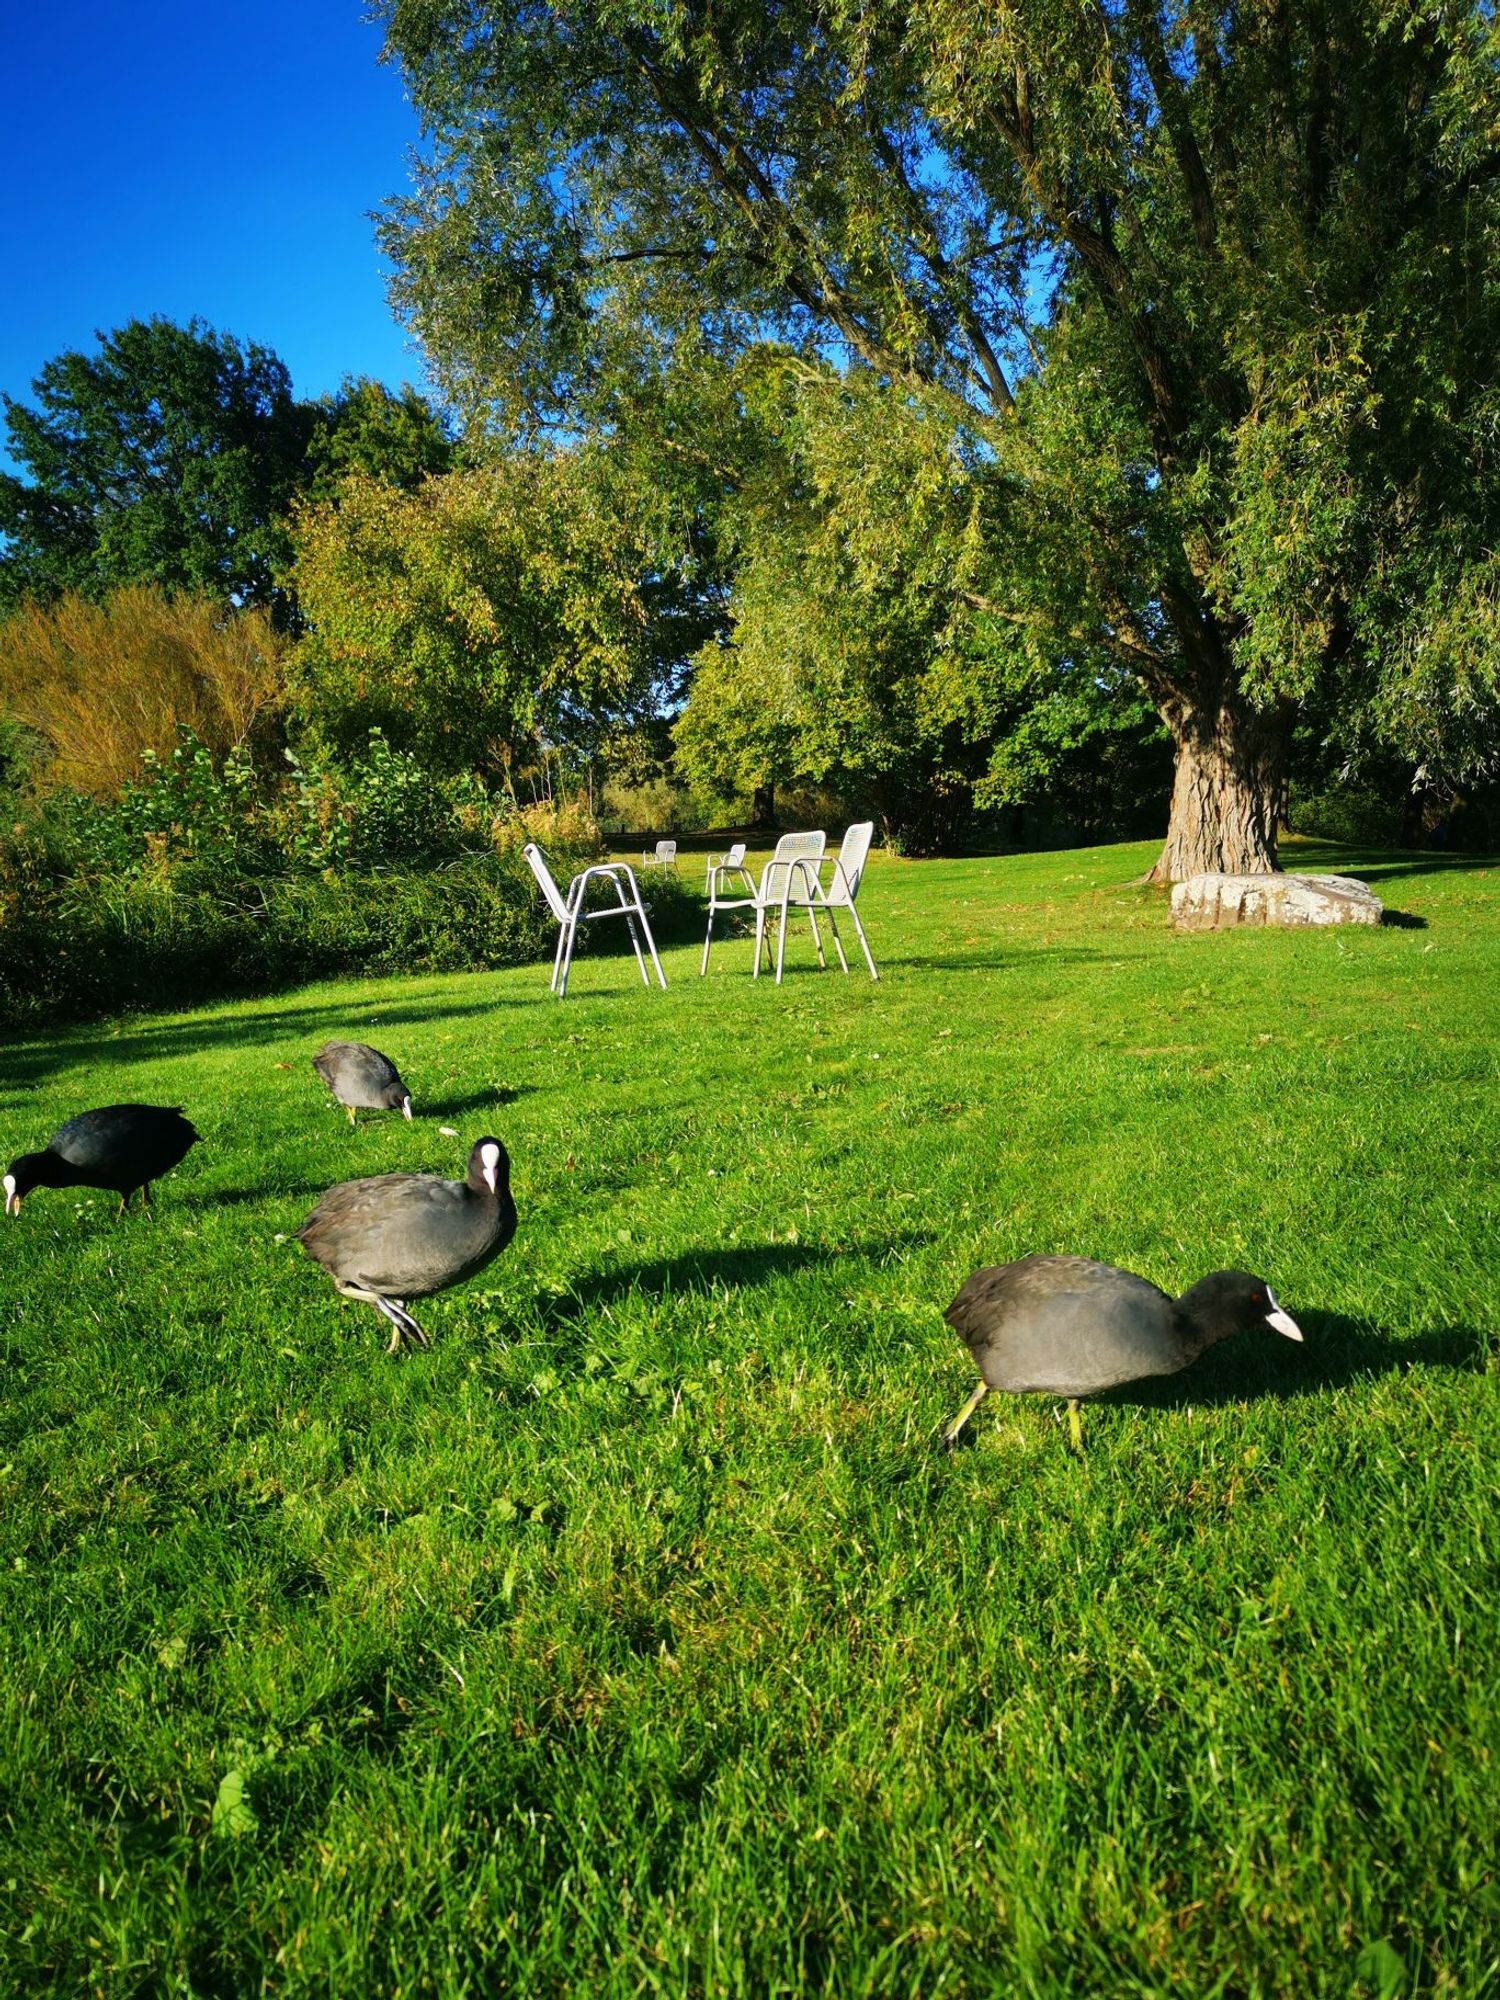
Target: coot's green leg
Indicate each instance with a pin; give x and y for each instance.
(1075, 1425)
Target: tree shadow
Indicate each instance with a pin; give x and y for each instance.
(1336, 1351)
(1106, 952)
(1381, 864)
(1402, 920)
(28, 1064)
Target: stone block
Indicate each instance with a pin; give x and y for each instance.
(1217, 902)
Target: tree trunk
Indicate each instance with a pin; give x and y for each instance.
(763, 806)
(1226, 794)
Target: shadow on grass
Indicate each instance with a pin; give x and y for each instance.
(737, 1267)
(1377, 865)
(1336, 1352)
(236, 1197)
(31, 1063)
(490, 1099)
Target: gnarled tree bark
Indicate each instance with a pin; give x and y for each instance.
(1227, 790)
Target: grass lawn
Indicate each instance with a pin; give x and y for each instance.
(634, 1640)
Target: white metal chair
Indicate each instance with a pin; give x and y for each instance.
(664, 855)
(788, 882)
(839, 892)
(732, 863)
(570, 913)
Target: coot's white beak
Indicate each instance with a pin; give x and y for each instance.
(406, 1107)
(490, 1167)
(1282, 1321)
(12, 1199)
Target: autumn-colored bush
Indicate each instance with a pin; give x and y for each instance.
(103, 684)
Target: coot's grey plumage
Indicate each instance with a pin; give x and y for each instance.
(361, 1078)
(1070, 1327)
(120, 1146)
(401, 1236)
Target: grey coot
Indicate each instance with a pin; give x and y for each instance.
(1069, 1327)
(362, 1079)
(400, 1236)
(120, 1146)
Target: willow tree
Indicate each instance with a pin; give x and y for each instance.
(1212, 287)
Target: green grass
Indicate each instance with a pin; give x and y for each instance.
(634, 1640)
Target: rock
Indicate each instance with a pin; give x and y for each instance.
(1217, 902)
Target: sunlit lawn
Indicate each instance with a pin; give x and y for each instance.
(634, 1639)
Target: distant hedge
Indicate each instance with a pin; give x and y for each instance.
(72, 947)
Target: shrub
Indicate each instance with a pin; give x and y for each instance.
(104, 685)
(191, 884)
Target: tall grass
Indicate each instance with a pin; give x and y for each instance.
(634, 1640)
(103, 683)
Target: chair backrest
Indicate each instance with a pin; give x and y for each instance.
(666, 851)
(791, 847)
(543, 875)
(800, 847)
(852, 857)
(735, 858)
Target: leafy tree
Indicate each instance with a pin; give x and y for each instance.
(1211, 290)
(368, 428)
(170, 457)
(481, 618)
(861, 651)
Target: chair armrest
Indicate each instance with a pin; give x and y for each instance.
(614, 869)
(838, 876)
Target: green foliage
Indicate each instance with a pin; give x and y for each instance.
(138, 940)
(381, 809)
(870, 650)
(633, 1641)
(206, 877)
(366, 428)
(1205, 302)
(170, 457)
(477, 620)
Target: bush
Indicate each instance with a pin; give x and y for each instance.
(85, 945)
(192, 885)
(103, 684)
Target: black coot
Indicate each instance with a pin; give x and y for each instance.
(1070, 1327)
(400, 1236)
(121, 1146)
(362, 1079)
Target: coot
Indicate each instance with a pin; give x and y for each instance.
(1070, 1327)
(120, 1146)
(362, 1079)
(401, 1236)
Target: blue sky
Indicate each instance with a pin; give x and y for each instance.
(194, 157)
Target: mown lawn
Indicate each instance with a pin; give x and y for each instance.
(634, 1640)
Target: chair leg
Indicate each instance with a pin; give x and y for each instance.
(864, 942)
(629, 915)
(707, 941)
(635, 939)
(572, 937)
(661, 977)
(838, 942)
(760, 932)
(786, 897)
(817, 938)
(562, 933)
